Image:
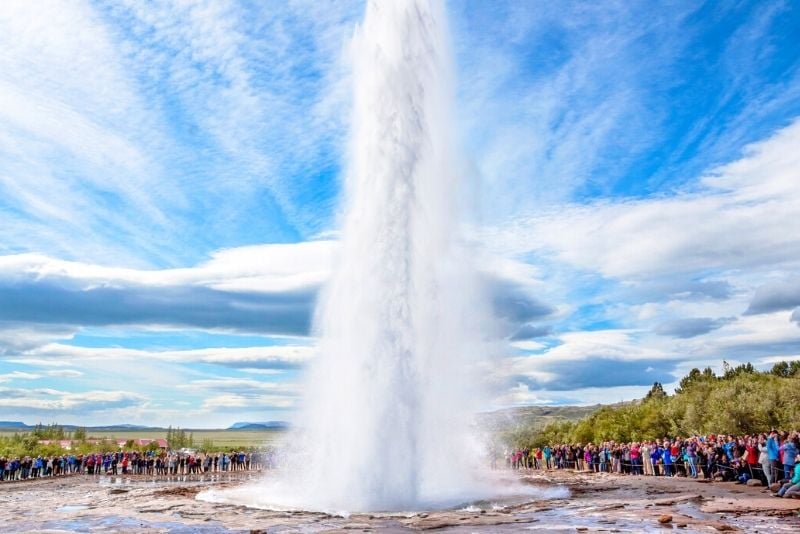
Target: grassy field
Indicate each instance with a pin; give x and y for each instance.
(220, 438)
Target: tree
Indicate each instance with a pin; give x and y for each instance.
(52, 431)
(79, 434)
(694, 377)
(732, 372)
(656, 392)
(786, 369)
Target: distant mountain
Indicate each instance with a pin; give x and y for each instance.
(122, 427)
(266, 425)
(13, 424)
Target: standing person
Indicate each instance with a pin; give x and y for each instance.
(691, 455)
(773, 454)
(636, 464)
(763, 458)
(790, 450)
(656, 453)
(752, 456)
(603, 457)
(647, 463)
(667, 457)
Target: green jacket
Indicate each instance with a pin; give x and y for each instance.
(796, 475)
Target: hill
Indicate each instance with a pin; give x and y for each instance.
(14, 424)
(532, 416)
(266, 425)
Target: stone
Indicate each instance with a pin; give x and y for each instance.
(754, 482)
(664, 519)
(775, 486)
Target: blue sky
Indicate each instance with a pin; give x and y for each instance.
(170, 175)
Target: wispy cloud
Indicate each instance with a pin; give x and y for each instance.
(745, 216)
(52, 401)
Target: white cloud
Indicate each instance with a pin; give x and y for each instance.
(18, 375)
(521, 395)
(269, 357)
(64, 373)
(251, 402)
(747, 216)
(53, 400)
(272, 267)
(242, 386)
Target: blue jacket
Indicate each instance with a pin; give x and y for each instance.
(789, 452)
(728, 448)
(772, 448)
(656, 454)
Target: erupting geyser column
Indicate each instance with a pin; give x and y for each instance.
(388, 406)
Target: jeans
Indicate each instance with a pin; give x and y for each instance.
(636, 466)
(787, 470)
(789, 488)
(693, 466)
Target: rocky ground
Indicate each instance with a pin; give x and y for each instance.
(596, 503)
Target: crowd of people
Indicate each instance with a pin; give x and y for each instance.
(152, 463)
(772, 457)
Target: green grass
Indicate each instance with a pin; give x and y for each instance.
(220, 438)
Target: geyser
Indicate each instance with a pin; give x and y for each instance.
(389, 401)
(389, 397)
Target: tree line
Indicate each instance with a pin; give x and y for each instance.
(741, 400)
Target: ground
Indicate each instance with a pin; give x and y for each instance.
(596, 503)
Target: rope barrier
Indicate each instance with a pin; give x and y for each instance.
(615, 465)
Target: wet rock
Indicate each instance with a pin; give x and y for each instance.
(675, 500)
(664, 519)
(754, 482)
(180, 491)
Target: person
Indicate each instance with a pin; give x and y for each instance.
(636, 462)
(791, 488)
(773, 454)
(790, 450)
(655, 457)
(691, 456)
(667, 457)
(763, 458)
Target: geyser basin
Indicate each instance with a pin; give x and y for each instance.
(505, 490)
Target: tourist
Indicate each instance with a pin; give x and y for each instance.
(792, 487)
(789, 449)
